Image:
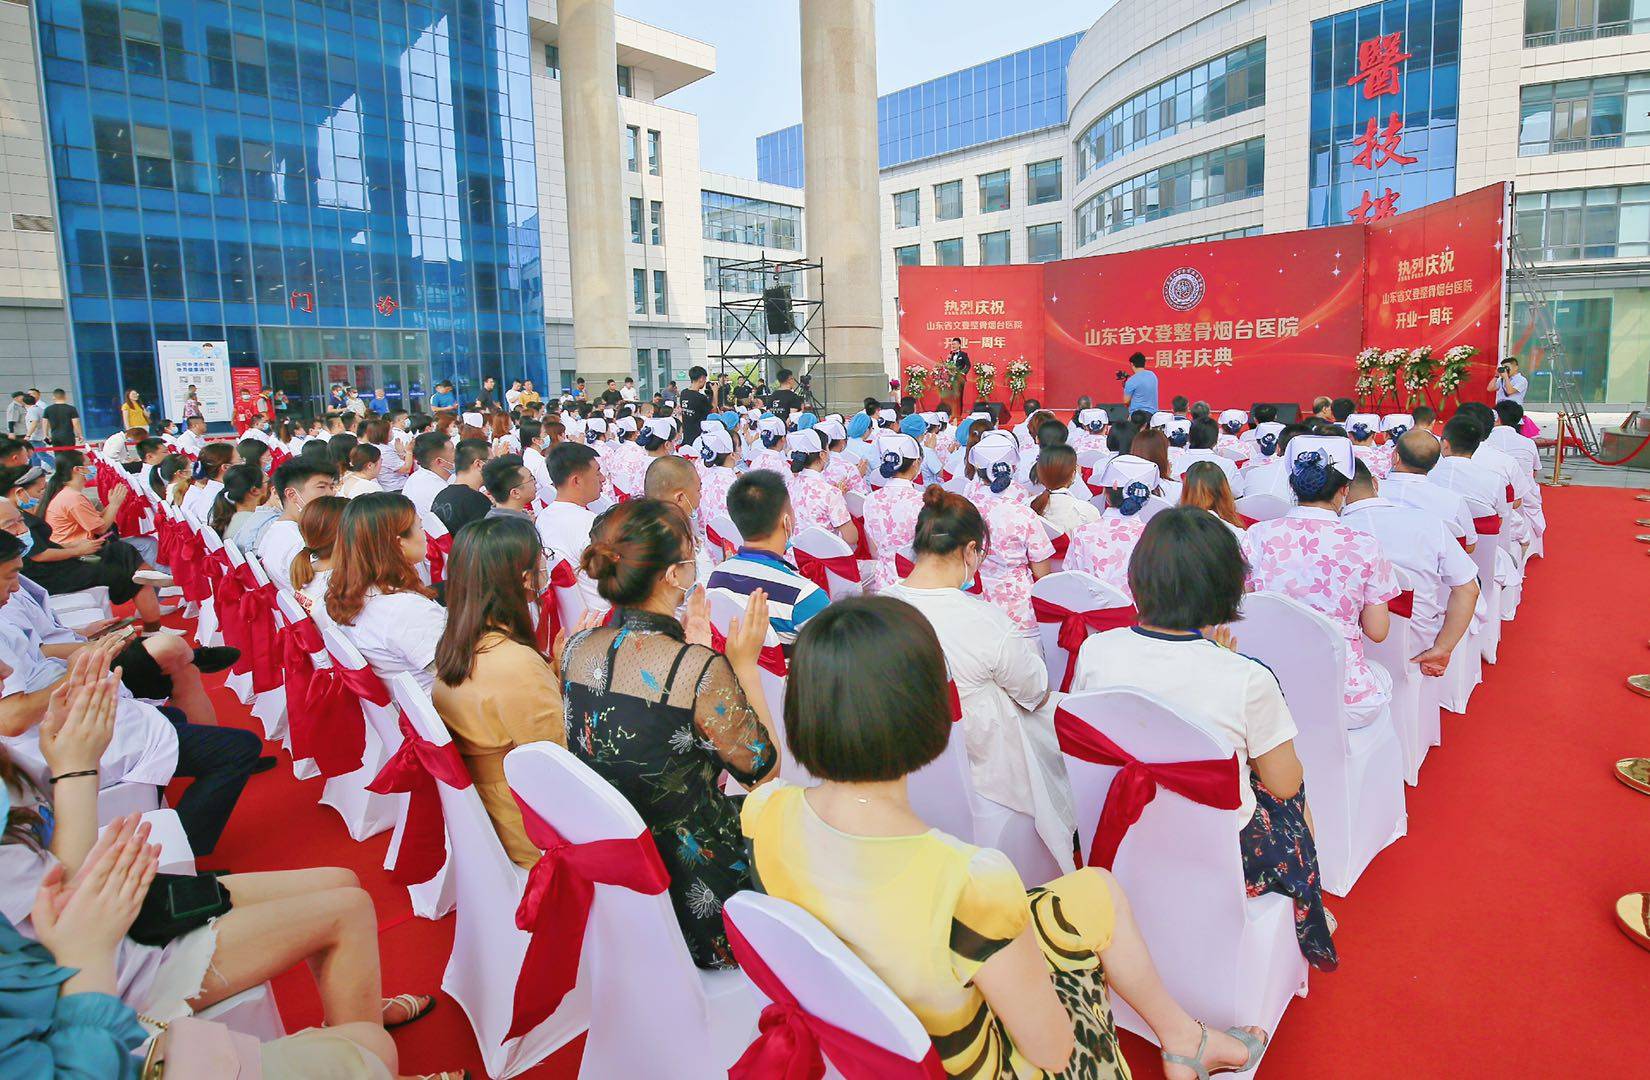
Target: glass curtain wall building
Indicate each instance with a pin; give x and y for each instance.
(343, 192)
(1011, 95)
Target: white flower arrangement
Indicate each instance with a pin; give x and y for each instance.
(916, 379)
(1019, 374)
(985, 379)
(1456, 364)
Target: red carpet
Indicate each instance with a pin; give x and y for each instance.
(1481, 944)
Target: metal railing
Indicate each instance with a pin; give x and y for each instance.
(1590, 32)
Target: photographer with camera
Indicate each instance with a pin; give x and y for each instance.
(1140, 388)
(1507, 383)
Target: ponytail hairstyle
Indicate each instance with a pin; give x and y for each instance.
(1204, 486)
(1312, 479)
(64, 464)
(1056, 468)
(238, 483)
(212, 462)
(485, 594)
(632, 545)
(165, 470)
(369, 554)
(948, 523)
(318, 525)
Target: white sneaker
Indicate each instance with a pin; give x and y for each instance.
(152, 577)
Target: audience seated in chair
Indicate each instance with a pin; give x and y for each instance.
(760, 505)
(661, 716)
(1006, 980)
(1187, 576)
(1059, 505)
(296, 482)
(891, 510)
(1020, 550)
(1204, 485)
(375, 595)
(311, 568)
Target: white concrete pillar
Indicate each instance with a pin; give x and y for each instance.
(839, 132)
(595, 207)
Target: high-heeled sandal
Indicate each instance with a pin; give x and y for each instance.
(1256, 1045)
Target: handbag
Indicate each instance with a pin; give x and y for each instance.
(190, 1048)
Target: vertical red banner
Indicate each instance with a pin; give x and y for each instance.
(996, 310)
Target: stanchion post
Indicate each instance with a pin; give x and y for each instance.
(1557, 479)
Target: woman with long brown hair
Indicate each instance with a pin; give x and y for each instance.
(1152, 445)
(312, 566)
(1204, 486)
(493, 688)
(375, 594)
(206, 479)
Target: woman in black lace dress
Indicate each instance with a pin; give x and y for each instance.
(660, 715)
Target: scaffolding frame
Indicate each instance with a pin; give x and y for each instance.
(802, 352)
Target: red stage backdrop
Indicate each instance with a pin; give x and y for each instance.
(1263, 318)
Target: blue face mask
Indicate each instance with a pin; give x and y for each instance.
(27, 504)
(26, 538)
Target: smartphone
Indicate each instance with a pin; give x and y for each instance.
(118, 624)
(189, 897)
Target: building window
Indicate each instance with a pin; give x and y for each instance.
(1043, 182)
(910, 255)
(1228, 84)
(655, 153)
(907, 209)
(1557, 22)
(948, 252)
(664, 369)
(635, 221)
(1043, 242)
(1585, 223)
(552, 60)
(948, 201)
(994, 191)
(660, 294)
(644, 362)
(631, 137)
(738, 219)
(656, 220)
(1605, 113)
(638, 291)
(1194, 183)
(625, 87)
(994, 248)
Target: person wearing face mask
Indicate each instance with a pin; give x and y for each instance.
(675, 480)
(1001, 680)
(760, 505)
(661, 716)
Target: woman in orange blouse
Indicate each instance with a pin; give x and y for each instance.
(71, 514)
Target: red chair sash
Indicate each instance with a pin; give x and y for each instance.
(260, 655)
(1061, 543)
(791, 1043)
(862, 549)
(818, 569)
(1402, 605)
(323, 713)
(720, 541)
(188, 568)
(1076, 626)
(562, 576)
(955, 701)
(1212, 783)
(436, 551)
(1488, 526)
(555, 908)
(1511, 494)
(129, 517)
(415, 768)
(1463, 542)
(226, 600)
(166, 539)
(772, 658)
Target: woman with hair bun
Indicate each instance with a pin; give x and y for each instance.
(815, 501)
(718, 450)
(1020, 547)
(891, 510)
(1001, 679)
(660, 715)
(1102, 548)
(1310, 555)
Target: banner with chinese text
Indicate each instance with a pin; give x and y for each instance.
(996, 310)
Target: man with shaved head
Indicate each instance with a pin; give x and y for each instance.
(676, 481)
(1418, 452)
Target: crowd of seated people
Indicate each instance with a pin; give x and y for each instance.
(953, 519)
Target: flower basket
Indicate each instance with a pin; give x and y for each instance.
(1457, 362)
(1416, 377)
(916, 380)
(1018, 375)
(985, 380)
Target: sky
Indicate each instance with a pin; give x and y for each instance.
(757, 85)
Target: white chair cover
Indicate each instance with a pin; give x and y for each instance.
(1394, 654)
(697, 1022)
(726, 606)
(723, 526)
(269, 706)
(1355, 779)
(821, 543)
(1229, 959)
(1262, 507)
(1073, 590)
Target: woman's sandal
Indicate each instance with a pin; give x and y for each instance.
(409, 1005)
(1255, 1044)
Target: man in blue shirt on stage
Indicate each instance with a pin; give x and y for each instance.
(1141, 387)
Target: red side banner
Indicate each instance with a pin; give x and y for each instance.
(1265, 318)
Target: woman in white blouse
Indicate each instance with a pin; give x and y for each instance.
(1064, 502)
(1002, 682)
(375, 594)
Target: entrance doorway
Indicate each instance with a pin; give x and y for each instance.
(309, 383)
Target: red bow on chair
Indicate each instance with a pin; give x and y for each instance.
(772, 658)
(1402, 605)
(166, 540)
(226, 600)
(259, 654)
(415, 768)
(1062, 543)
(323, 713)
(818, 569)
(1489, 525)
(562, 576)
(791, 1042)
(1076, 626)
(955, 700)
(555, 908)
(720, 541)
(1211, 783)
(129, 518)
(436, 550)
(189, 569)
(862, 550)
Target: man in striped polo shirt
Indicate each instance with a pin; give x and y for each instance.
(760, 505)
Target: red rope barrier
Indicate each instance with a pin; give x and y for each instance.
(1643, 442)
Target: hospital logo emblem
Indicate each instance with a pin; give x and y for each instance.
(1183, 289)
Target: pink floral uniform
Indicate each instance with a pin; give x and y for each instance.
(1102, 548)
(627, 468)
(842, 470)
(772, 460)
(890, 524)
(816, 501)
(1082, 440)
(1378, 458)
(1018, 539)
(1311, 556)
(714, 483)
